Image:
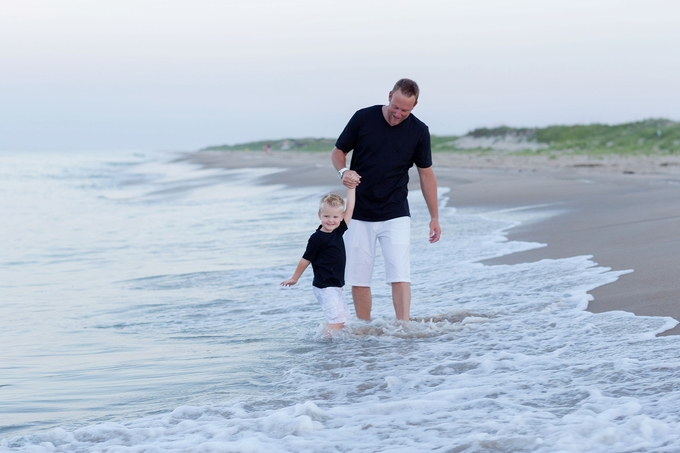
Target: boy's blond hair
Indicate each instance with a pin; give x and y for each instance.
(333, 200)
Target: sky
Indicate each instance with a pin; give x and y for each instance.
(182, 75)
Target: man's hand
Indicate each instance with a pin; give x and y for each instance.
(351, 179)
(435, 231)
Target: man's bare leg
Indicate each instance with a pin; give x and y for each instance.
(362, 301)
(401, 298)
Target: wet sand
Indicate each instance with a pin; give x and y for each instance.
(625, 212)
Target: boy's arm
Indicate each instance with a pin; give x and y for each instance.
(349, 208)
(302, 265)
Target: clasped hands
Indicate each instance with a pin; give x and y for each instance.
(351, 179)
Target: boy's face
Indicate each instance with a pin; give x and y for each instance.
(330, 217)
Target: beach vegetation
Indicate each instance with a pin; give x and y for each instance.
(651, 136)
(286, 144)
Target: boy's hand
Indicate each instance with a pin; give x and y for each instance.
(289, 282)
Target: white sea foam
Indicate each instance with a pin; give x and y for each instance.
(177, 337)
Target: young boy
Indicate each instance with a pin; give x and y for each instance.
(326, 252)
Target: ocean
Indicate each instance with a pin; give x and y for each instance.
(140, 311)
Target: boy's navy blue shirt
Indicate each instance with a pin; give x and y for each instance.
(326, 252)
(382, 156)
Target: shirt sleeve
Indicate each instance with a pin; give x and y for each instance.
(312, 249)
(423, 153)
(348, 138)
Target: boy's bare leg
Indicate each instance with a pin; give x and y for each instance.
(401, 298)
(362, 301)
(337, 326)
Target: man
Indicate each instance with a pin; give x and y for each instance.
(386, 141)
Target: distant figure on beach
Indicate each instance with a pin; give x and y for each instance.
(386, 140)
(266, 148)
(326, 253)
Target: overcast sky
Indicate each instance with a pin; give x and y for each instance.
(184, 74)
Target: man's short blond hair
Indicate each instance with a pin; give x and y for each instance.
(408, 88)
(333, 200)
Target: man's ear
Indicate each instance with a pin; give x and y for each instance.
(389, 97)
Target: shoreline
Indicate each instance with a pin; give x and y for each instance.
(622, 211)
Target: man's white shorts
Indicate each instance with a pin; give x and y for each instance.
(360, 244)
(332, 300)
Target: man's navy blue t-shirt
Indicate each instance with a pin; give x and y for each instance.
(326, 252)
(382, 156)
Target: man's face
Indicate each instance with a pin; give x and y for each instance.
(399, 107)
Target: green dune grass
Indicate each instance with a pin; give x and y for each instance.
(286, 144)
(652, 136)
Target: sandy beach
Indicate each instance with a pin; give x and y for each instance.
(624, 211)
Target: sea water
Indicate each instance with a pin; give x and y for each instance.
(140, 311)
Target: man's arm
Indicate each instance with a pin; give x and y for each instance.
(350, 178)
(428, 185)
